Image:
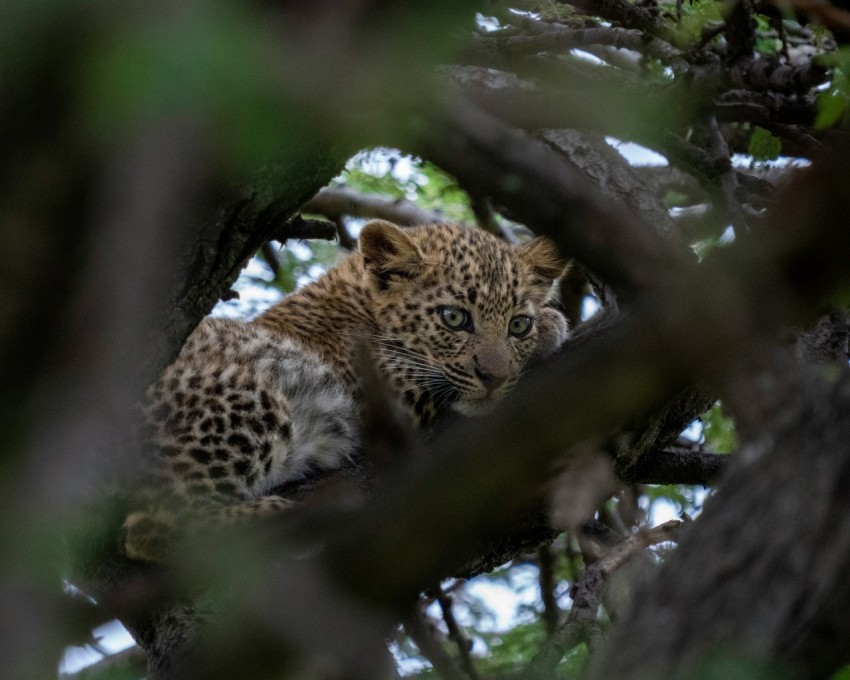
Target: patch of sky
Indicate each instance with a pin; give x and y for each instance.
(254, 297)
(694, 431)
(636, 154)
(742, 160)
(662, 510)
(313, 273)
(382, 161)
(589, 306)
(300, 250)
(405, 663)
(109, 639)
(507, 601)
(487, 23)
(587, 56)
(494, 605)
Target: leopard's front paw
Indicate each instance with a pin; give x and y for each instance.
(552, 331)
(148, 534)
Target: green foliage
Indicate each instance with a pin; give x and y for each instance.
(92, 539)
(726, 665)
(696, 17)
(842, 674)
(705, 246)
(840, 299)
(573, 663)
(719, 430)
(833, 102)
(514, 648)
(763, 145)
(674, 198)
(681, 495)
(212, 62)
(383, 171)
(389, 172)
(766, 40)
(657, 70)
(292, 267)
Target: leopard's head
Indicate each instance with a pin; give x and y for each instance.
(458, 312)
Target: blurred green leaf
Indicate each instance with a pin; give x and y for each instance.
(833, 102)
(389, 172)
(719, 430)
(704, 247)
(514, 648)
(843, 674)
(678, 494)
(214, 63)
(763, 145)
(696, 17)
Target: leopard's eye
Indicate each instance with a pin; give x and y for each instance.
(455, 318)
(520, 326)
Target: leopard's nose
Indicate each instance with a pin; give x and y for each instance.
(491, 381)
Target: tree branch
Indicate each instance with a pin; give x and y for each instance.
(581, 623)
(462, 643)
(523, 175)
(423, 632)
(561, 39)
(338, 202)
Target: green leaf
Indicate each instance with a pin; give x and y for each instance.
(764, 146)
(843, 674)
(719, 430)
(833, 102)
(213, 63)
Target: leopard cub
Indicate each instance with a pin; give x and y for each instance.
(450, 313)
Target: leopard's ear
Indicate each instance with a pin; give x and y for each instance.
(541, 255)
(387, 250)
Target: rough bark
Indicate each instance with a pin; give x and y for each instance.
(775, 587)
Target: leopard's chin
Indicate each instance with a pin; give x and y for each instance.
(476, 407)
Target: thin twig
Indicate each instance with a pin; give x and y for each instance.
(424, 633)
(729, 179)
(546, 563)
(581, 624)
(456, 634)
(270, 256)
(346, 242)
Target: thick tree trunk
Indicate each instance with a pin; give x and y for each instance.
(762, 576)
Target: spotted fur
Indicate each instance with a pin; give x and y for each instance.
(249, 406)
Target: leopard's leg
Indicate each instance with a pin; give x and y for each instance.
(219, 443)
(552, 332)
(149, 533)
